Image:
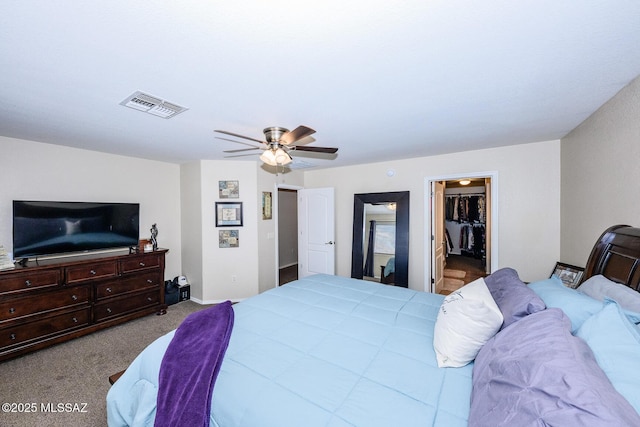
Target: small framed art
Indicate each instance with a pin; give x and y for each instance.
(228, 189)
(266, 205)
(228, 214)
(228, 238)
(569, 274)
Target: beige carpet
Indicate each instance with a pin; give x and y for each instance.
(77, 372)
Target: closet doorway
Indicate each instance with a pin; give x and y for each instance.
(462, 218)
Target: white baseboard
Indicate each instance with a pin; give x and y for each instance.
(209, 302)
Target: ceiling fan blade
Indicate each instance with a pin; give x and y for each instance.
(329, 150)
(305, 141)
(237, 142)
(240, 155)
(242, 149)
(296, 134)
(240, 136)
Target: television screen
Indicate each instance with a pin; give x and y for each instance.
(45, 228)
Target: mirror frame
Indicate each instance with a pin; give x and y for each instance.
(401, 199)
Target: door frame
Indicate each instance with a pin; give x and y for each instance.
(428, 244)
(276, 216)
(438, 240)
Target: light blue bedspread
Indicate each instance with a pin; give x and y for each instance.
(321, 351)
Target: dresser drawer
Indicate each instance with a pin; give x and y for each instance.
(98, 270)
(25, 306)
(132, 284)
(117, 306)
(21, 282)
(41, 328)
(139, 262)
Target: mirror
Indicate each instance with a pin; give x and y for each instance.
(381, 264)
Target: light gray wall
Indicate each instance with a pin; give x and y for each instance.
(35, 171)
(229, 273)
(528, 203)
(192, 243)
(601, 174)
(529, 200)
(179, 198)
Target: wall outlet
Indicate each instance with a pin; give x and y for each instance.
(234, 278)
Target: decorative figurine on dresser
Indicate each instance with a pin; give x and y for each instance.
(154, 237)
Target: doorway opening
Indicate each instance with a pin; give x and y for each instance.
(305, 232)
(461, 218)
(287, 231)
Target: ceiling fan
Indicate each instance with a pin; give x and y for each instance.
(278, 143)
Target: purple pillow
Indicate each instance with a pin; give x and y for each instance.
(536, 373)
(513, 297)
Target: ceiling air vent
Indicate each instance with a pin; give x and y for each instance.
(300, 164)
(153, 105)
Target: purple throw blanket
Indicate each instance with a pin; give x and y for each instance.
(190, 366)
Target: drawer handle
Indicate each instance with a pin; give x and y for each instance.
(73, 297)
(27, 282)
(93, 272)
(13, 336)
(12, 310)
(149, 299)
(75, 320)
(142, 264)
(108, 310)
(109, 290)
(149, 281)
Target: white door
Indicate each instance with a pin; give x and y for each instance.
(437, 236)
(316, 231)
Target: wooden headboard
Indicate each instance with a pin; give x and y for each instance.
(616, 255)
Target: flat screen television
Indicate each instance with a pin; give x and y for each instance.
(47, 228)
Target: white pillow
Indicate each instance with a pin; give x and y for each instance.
(467, 319)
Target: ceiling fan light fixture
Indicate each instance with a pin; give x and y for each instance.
(277, 157)
(268, 157)
(282, 157)
(277, 144)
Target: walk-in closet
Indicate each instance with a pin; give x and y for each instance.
(466, 207)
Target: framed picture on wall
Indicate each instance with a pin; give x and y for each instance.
(228, 214)
(228, 238)
(228, 189)
(266, 205)
(569, 274)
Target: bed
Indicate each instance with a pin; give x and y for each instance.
(333, 351)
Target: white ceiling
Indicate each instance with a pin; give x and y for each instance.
(378, 79)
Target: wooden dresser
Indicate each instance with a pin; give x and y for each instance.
(52, 301)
